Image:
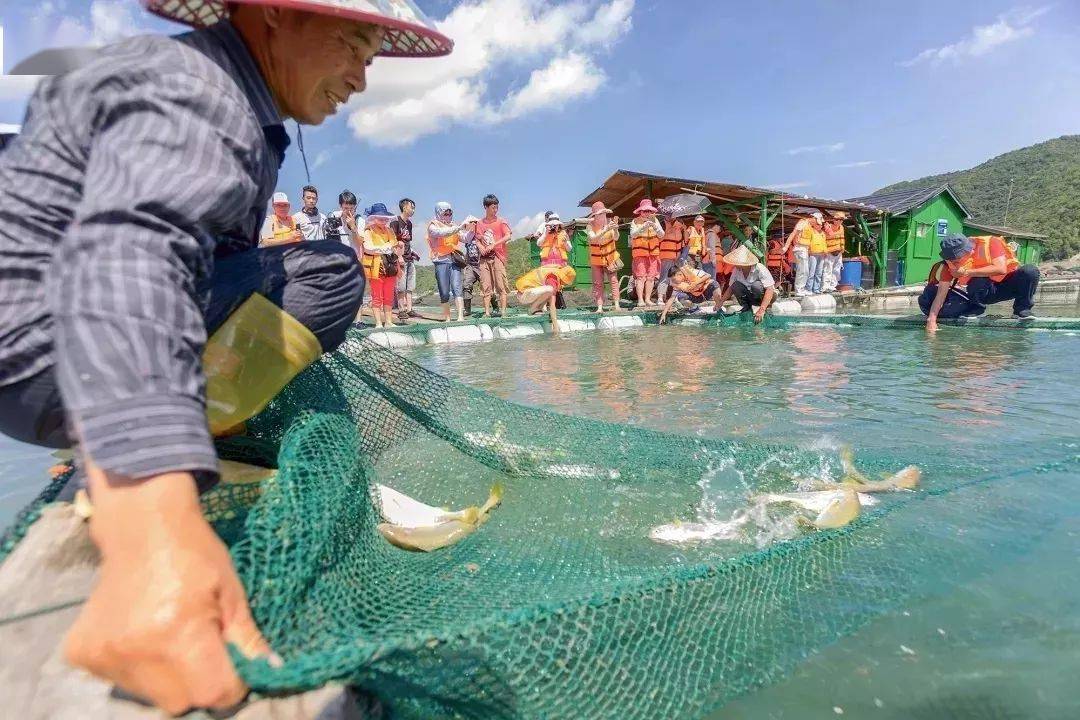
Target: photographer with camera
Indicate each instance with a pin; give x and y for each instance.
(381, 266)
(341, 225)
(406, 279)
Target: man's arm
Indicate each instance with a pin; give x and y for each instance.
(791, 236)
(766, 301)
(935, 306)
(169, 163)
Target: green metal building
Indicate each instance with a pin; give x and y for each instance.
(910, 224)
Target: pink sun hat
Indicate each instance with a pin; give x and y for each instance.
(409, 32)
(598, 208)
(645, 206)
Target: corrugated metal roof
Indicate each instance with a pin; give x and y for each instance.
(622, 191)
(1003, 230)
(900, 201)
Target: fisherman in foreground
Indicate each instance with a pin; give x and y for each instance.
(157, 160)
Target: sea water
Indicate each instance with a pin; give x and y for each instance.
(1002, 645)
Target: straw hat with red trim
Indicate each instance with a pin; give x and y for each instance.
(409, 32)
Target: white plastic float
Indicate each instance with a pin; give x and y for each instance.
(896, 302)
(395, 340)
(518, 331)
(459, 334)
(786, 308)
(818, 304)
(569, 326)
(617, 322)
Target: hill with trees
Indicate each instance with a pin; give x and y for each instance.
(1045, 191)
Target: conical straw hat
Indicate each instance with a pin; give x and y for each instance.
(741, 257)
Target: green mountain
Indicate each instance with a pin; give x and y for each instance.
(1045, 181)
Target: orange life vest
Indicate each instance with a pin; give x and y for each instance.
(602, 251)
(647, 244)
(834, 237)
(443, 247)
(696, 279)
(673, 241)
(695, 241)
(980, 257)
(372, 262)
(806, 233)
(553, 249)
(537, 277)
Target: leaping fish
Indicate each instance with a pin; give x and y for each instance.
(442, 528)
(906, 479)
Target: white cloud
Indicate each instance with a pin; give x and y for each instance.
(528, 224)
(856, 164)
(827, 148)
(787, 185)
(557, 44)
(1008, 27)
(108, 21)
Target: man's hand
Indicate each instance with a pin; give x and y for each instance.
(931, 324)
(759, 316)
(167, 599)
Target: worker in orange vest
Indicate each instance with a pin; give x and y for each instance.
(976, 272)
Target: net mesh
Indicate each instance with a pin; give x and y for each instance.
(560, 606)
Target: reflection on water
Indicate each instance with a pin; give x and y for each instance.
(802, 386)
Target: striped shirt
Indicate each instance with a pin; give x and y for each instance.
(130, 176)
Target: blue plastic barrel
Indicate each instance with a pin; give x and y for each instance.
(851, 273)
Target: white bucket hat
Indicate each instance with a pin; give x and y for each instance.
(553, 220)
(409, 32)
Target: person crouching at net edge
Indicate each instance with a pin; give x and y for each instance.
(751, 283)
(689, 284)
(156, 216)
(975, 272)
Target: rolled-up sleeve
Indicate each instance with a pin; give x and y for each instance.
(169, 161)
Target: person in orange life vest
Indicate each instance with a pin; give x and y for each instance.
(280, 228)
(816, 266)
(380, 267)
(645, 234)
(444, 237)
(802, 237)
(976, 272)
(689, 284)
(695, 241)
(603, 233)
(834, 252)
(672, 244)
(554, 244)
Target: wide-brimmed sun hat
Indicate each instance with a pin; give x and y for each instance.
(645, 206)
(598, 208)
(956, 246)
(409, 32)
(378, 210)
(741, 257)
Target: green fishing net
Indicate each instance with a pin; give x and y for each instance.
(561, 605)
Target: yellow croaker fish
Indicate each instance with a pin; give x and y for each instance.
(906, 479)
(838, 512)
(445, 528)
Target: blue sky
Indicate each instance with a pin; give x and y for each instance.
(543, 100)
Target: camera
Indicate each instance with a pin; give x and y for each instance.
(334, 225)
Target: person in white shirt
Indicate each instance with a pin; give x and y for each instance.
(751, 283)
(309, 220)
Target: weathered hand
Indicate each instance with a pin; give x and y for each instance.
(759, 316)
(931, 325)
(167, 599)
